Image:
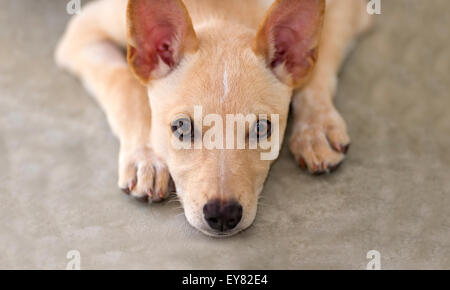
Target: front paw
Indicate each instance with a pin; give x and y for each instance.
(143, 175)
(320, 141)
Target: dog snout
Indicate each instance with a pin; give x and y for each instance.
(222, 216)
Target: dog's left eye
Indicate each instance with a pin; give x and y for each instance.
(262, 129)
(182, 128)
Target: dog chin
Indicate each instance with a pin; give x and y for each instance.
(220, 235)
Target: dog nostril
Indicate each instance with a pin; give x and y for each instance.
(232, 223)
(213, 220)
(222, 216)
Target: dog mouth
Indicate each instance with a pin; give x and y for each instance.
(221, 235)
(208, 231)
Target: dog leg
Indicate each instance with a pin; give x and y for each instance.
(90, 49)
(319, 139)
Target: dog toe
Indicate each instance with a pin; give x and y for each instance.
(161, 184)
(143, 176)
(338, 139)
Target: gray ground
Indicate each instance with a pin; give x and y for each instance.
(58, 164)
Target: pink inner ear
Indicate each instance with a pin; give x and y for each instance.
(294, 26)
(153, 43)
(156, 25)
(293, 51)
(159, 42)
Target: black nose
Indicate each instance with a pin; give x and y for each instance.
(222, 216)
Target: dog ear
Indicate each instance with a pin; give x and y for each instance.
(288, 38)
(160, 32)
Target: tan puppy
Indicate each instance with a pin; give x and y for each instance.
(229, 57)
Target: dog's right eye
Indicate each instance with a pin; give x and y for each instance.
(182, 128)
(262, 129)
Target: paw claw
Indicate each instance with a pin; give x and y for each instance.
(325, 169)
(132, 185)
(126, 191)
(337, 147)
(150, 193)
(341, 148)
(319, 169)
(315, 168)
(345, 148)
(142, 198)
(302, 163)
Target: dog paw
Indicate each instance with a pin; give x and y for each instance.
(143, 175)
(320, 141)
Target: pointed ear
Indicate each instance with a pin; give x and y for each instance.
(160, 32)
(288, 38)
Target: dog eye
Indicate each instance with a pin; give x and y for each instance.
(262, 129)
(182, 128)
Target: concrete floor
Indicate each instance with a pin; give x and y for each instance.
(58, 164)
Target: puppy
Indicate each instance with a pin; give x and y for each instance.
(227, 58)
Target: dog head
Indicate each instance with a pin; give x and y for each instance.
(217, 94)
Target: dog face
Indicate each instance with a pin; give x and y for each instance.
(213, 81)
(200, 82)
